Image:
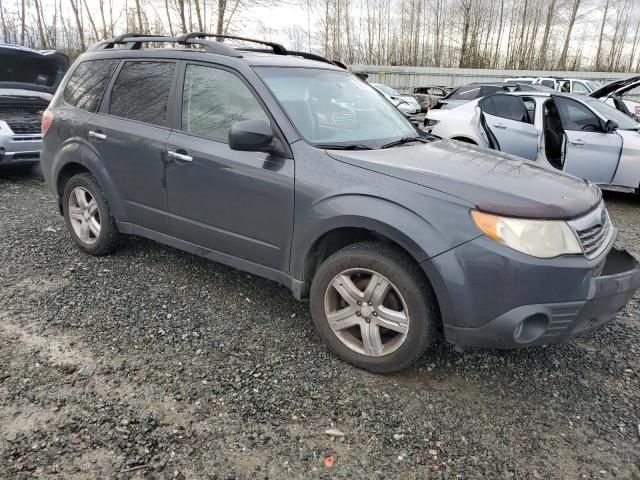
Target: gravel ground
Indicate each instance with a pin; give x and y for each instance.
(156, 363)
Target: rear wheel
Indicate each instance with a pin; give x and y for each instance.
(373, 307)
(88, 217)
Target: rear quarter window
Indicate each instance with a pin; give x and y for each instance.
(87, 83)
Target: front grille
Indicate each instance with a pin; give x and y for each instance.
(594, 231)
(25, 128)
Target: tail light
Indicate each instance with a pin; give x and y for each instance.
(47, 120)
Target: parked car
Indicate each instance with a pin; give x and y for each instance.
(568, 85)
(461, 95)
(624, 95)
(428, 96)
(28, 79)
(244, 157)
(405, 103)
(579, 135)
(525, 80)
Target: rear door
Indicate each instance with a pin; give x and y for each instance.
(239, 204)
(507, 122)
(130, 131)
(589, 151)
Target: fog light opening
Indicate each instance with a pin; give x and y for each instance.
(531, 328)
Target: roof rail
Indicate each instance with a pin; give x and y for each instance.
(134, 41)
(293, 53)
(277, 48)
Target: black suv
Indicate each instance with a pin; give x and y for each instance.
(285, 165)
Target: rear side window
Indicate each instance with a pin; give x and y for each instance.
(141, 92)
(213, 99)
(87, 83)
(505, 106)
(465, 93)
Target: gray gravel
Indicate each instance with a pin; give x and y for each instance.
(157, 363)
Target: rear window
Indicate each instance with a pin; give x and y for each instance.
(87, 83)
(141, 92)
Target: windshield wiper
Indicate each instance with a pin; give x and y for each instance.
(348, 146)
(404, 140)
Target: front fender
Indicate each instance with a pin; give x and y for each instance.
(75, 150)
(416, 234)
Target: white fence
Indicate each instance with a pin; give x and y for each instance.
(405, 78)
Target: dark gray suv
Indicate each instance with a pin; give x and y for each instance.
(285, 165)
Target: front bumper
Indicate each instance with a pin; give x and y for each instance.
(538, 324)
(19, 149)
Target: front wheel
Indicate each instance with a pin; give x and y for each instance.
(373, 306)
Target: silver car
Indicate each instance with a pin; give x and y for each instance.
(28, 79)
(580, 135)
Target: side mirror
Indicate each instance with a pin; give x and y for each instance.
(251, 136)
(610, 126)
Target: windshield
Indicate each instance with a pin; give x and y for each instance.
(331, 107)
(385, 89)
(607, 111)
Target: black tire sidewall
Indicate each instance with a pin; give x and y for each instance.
(104, 243)
(404, 274)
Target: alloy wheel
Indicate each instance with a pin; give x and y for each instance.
(84, 215)
(366, 312)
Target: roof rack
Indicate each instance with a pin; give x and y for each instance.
(277, 48)
(134, 41)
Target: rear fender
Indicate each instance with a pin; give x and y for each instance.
(78, 151)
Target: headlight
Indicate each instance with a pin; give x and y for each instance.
(430, 122)
(538, 238)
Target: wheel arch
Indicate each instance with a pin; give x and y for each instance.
(76, 157)
(338, 222)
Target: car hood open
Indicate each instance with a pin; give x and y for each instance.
(618, 87)
(23, 69)
(492, 182)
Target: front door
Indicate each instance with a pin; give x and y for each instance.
(508, 124)
(589, 151)
(130, 132)
(236, 203)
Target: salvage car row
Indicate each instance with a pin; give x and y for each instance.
(285, 165)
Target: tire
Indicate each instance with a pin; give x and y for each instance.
(409, 294)
(97, 241)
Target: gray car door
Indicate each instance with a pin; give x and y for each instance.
(589, 151)
(236, 203)
(507, 122)
(129, 133)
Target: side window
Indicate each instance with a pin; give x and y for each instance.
(214, 99)
(548, 83)
(489, 90)
(580, 88)
(141, 92)
(505, 106)
(87, 83)
(565, 87)
(576, 116)
(466, 93)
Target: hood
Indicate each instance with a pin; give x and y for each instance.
(492, 182)
(409, 99)
(618, 87)
(25, 69)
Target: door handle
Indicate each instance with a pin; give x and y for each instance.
(500, 125)
(97, 135)
(577, 142)
(179, 156)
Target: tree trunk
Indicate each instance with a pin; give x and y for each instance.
(565, 49)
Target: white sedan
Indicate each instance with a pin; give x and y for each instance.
(579, 135)
(407, 104)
